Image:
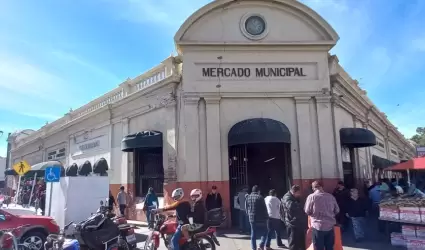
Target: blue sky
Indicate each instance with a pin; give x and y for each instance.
(57, 55)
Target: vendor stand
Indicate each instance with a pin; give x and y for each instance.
(406, 211)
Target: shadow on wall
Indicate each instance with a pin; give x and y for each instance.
(100, 167)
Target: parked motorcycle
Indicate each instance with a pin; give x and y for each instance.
(126, 230)
(202, 239)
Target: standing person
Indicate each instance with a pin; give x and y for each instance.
(295, 219)
(111, 202)
(322, 209)
(273, 205)
(258, 217)
(243, 217)
(122, 200)
(151, 202)
(213, 199)
(342, 195)
(357, 209)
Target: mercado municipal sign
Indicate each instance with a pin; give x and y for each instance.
(254, 72)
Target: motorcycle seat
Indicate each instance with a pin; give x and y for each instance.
(199, 230)
(124, 226)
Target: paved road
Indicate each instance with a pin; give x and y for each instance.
(234, 241)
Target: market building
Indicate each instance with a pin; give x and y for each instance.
(253, 97)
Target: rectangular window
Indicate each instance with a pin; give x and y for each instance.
(57, 154)
(394, 152)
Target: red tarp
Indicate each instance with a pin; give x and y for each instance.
(415, 163)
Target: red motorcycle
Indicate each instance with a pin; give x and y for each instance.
(202, 239)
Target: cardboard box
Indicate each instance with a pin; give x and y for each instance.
(415, 244)
(420, 231)
(389, 213)
(408, 230)
(410, 214)
(397, 239)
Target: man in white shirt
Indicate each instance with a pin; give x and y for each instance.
(273, 205)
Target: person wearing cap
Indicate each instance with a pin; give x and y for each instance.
(213, 199)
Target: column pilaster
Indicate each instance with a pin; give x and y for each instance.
(215, 168)
(191, 123)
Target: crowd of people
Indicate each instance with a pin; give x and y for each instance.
(265, 218)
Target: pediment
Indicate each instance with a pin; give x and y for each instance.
(286, 22)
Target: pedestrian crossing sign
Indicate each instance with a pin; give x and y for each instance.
(21, 167)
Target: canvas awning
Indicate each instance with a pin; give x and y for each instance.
(357, 137)
(412, 164)
(145, 139)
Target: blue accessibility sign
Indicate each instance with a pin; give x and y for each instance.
(52, 174)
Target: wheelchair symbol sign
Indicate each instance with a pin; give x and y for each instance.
(52, 174)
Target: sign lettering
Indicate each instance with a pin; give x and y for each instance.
(89, 145)
(257, 72)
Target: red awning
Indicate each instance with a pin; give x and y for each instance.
(415, 163)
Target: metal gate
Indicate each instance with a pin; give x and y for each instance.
(238, 168)
(149, 171)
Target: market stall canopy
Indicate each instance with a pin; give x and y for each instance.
(38, 168)
(145, 139)
(357, 137)
(381, 163)
(258, 130)
(412, 164)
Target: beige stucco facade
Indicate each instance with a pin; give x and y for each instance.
(216, 81)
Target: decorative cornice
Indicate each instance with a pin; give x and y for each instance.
(323, 99)
(212, 100)
(302, 99)
(192, 100)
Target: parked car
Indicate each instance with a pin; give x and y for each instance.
(35, 233)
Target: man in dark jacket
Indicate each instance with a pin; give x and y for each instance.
(213, 199)
(258, 217)
(295, 218)
(342, 195)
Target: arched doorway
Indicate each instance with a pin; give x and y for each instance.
(259, 154)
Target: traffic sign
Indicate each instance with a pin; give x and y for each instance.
(21, 167)
(52, 174)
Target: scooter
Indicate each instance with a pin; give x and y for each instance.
(166, 226)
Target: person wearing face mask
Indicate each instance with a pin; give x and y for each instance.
(213, 199)
(295, 219)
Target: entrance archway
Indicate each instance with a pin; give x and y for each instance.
(259, 154)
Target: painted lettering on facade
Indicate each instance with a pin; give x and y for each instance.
(89, 145)
(255, 72)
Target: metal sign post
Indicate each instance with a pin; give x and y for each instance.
(32, 190)
(52, 174)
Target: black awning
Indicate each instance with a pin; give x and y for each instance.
(357, 137)
(381, 163)
(145, 139)
(258, 130)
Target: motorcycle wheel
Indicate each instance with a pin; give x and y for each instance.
(208, 245)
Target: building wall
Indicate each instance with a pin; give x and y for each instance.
(2, 168)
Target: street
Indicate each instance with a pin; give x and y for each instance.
(235, 241)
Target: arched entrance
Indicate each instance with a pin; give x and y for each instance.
(259, 154)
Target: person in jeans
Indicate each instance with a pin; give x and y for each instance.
(258, 217)
(295, 219)
(273, 205)
(122, 200)
(243, 217)
(357, 209)
(322, 209)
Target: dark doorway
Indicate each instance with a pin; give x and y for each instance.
(149, 170)
(259, 154)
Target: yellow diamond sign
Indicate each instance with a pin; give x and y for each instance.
(22, 167)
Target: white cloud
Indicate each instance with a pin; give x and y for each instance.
(62, 55)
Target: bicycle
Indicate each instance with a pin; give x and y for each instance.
(8, 240)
